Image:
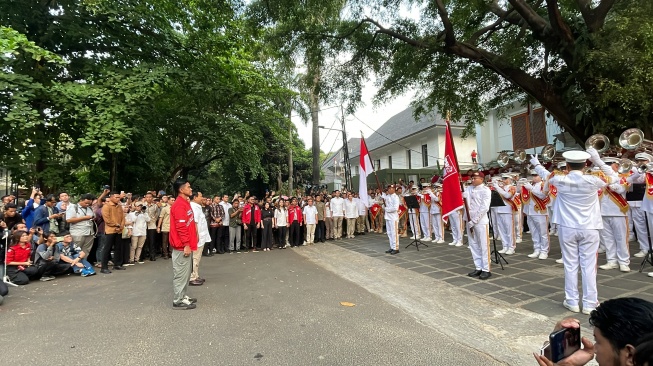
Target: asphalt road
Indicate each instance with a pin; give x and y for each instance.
(272, 308)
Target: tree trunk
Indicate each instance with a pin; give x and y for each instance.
(315, 107)
(290, 163)
(112, 177)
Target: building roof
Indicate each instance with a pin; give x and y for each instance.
(354, 145)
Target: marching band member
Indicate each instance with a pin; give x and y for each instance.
(577, 213)
(478, 198)
(517, 215)
(437, 226)
(614, 235)
(505, 218)
(403, 216)
(535, 205)
(391, 218)
(413, 215)
(456, 226)
(424, 211)
(380, 214)
(636, 210)
(559, 169)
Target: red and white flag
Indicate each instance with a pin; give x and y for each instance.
(452, 197)
(366, 169)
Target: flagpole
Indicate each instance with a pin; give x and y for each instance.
(455, 156)
(373, 167)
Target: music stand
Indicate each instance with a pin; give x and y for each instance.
(495, 201)
(411, 203)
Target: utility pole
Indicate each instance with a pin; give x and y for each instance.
(290, 163)
(345, 147)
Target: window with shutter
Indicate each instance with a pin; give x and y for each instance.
(528, 132)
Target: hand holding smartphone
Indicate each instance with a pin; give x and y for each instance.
(562, 343)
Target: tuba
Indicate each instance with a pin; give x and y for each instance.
(519, 156)
(633, 138)
(598, 141)
(548, 152)
(503, 159)
(625, 166)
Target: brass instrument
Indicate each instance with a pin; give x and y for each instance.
(625, 166)
(599, 142)
(519, 156)
(548, 152)
(645, 168)
(503, 159)
(633, 139)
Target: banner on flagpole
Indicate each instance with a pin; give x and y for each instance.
(366, 168)
(452, 197)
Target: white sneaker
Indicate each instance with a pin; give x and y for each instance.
(452, 243)
(518, 240)
(609, 265)
(533, 255)
(560, 261)
(503, 251)
(510, 251)
(640, 254)
(624, 268)
(440, 241)
(588, 310)
(543, 256)
(572, 308)
(650, 274)
(552, 232)
(601, 250)
(426, 238)
(459, 244)
(414, 237)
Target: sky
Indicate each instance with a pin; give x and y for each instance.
(330, 118)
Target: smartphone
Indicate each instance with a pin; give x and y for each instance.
(563, 343)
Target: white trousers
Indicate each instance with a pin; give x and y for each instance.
(639, 223)
(456, 226)
(614, 237)
(413, 223)
(424, 218)
(391, 227)
(437, 226)
(479, 245)
(519, 224)
(630, 223)
(495, 223)
(506, 225)
(579, 248)
(539, 227)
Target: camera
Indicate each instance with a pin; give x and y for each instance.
(106, 186)
(143, 208)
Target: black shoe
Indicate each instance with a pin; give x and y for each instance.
(485, 275)
(182, 306)
(119, 268)
(105, 271)
(394, 252)
(475, 273)
(389, 251)
(152, 259)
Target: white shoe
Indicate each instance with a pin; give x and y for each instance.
(601, 251)
(543, 256)
(503, 251)
(640, 254)
(518, 240)
(459, 244)
(624, 268)
(572, 308)
(560, 261)
(631, 237)
(414, 237)
(440, 241)
(510, 251)
(588, 310)
(650, 274)
(551, 232)
(533, 255)
(452, 243)
(609, 266)
(426, 238)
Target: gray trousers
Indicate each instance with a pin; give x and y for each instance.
(182, 267)
(85, 242)
(234, 238)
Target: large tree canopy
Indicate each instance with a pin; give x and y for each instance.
(588, 62)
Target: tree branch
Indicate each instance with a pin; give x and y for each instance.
(585, 10)
(600, 13)
(393, 34)
(559, 25)
(450, 35)
(508, 15)
(490, 28)
(538, 24)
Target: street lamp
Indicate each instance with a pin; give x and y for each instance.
(345, 147)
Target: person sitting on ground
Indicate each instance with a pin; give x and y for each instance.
(73, 255)
(20, 268)
(618, 326)
(48, 257)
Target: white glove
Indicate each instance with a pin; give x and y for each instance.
(465, 195)
(528, 186)
(470, 225)
(614, 186)
(594, 156)
(534, 160)
(495, 185)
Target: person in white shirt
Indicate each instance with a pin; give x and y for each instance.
(203, 237)
(337, 205)
(505, 219)
(614, 212)
(138, 228)
(535, 204)
(636, 207)
(223, 233)
(328, 218)
(578, 215)
(392, 218)
(413, 215)
(478, 198)
(80, 217)
(351, 213)
(310, 220)
(281, 223)
(424, 211)
(362, 215)
(437, 226)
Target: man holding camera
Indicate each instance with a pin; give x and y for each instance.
(46, 216)
(80, 217)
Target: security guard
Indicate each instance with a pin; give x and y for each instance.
(578, 215)
(478, 198)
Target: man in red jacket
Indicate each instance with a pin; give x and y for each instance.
(183, 240)
(251, 222)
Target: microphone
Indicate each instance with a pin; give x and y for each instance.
(5, 234)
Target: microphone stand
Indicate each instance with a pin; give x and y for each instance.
(5, 278)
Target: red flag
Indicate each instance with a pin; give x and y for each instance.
(366, 168)
(452, 197)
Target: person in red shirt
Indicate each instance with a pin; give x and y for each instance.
(20, 268)
(251, 223)
(474, 155)
(183, 240)
(295, 217)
